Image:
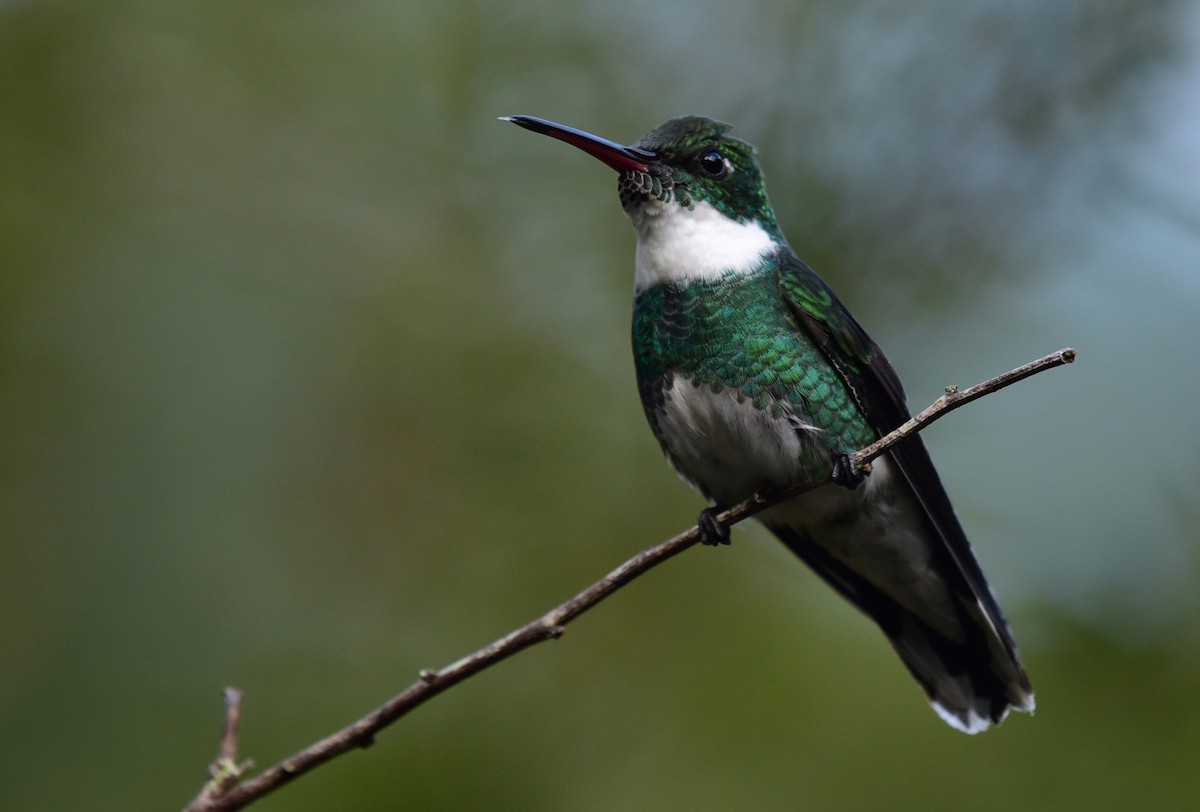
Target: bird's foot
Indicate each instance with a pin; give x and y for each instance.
(846, 473)
(712, 532)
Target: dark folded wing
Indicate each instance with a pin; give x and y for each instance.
(870, 377)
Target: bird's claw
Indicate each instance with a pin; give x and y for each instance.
(846, 472)
(712, 532)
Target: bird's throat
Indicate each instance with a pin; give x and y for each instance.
(678, 244)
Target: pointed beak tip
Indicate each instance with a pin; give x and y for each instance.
(535, 124)
(528, 122)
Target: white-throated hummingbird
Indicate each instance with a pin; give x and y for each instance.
(754, 377)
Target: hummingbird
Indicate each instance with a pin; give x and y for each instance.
(754, 376)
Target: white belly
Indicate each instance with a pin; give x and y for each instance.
(729, 449)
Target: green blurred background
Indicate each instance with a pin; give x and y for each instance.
(313, 374)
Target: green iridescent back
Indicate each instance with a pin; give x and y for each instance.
(738, 333)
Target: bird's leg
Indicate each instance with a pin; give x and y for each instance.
(846, 473)
(712, 532)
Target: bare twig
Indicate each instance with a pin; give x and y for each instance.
(224, 792)
(225, 770)
(953, 398)
(233, 717)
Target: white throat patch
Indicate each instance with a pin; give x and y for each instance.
(677, 244)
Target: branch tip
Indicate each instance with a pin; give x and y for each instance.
(226, 764)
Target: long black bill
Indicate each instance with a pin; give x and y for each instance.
(620, 158)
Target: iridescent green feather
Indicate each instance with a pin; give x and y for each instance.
(738, 333)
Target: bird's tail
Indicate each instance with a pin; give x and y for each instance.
(973, 678)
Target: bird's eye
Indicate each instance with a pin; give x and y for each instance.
(713, 164)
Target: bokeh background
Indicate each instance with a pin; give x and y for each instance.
(313, 374)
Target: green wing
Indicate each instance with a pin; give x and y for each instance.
(862, 366)
(868, 374)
